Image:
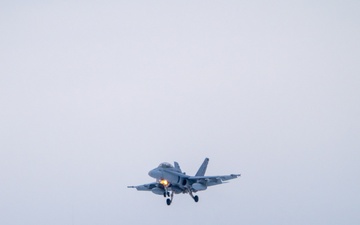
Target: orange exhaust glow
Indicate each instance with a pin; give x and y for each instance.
(164, 182)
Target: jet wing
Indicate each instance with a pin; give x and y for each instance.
(145, 187)
(213, 180)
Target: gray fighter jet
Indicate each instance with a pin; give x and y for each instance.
(171, 180)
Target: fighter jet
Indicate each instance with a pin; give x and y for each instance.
(171, 180)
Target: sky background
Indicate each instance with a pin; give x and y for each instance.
(94, 94)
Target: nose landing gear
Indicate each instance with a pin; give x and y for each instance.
(169, 200)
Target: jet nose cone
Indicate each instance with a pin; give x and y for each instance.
(155, 173)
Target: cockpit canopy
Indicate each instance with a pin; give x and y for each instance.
(165, 165)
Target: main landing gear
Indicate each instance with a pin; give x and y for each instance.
(171, 197)
(168, 201)
(196, 198)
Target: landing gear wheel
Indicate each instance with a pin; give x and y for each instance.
(168, 201)
(164, 194)
(196, 198)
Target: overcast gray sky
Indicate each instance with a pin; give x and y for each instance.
(94, 94)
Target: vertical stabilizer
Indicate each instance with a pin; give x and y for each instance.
(176, 164)
(202, 169)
